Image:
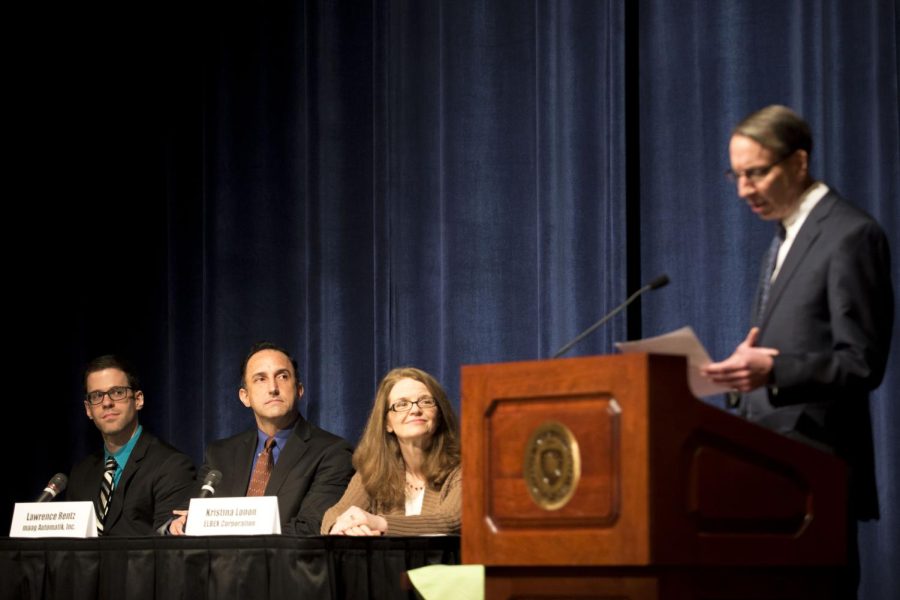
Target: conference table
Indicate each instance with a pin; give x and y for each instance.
(271, 566)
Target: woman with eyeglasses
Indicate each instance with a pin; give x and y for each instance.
(407, 479)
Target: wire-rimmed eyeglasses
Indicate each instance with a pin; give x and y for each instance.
(754, 174)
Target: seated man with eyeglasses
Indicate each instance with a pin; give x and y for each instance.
(137, 480)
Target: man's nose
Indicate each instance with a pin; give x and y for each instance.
(745, 186)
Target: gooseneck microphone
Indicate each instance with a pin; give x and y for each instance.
(656, 283)
(209, 483)
(54, 486)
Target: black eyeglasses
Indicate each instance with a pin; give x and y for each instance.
(754, 174)
(116, 394)
(406, 405)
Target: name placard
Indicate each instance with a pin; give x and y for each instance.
(234, 516)
(53, 519)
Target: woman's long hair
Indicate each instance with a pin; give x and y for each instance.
(378, 459)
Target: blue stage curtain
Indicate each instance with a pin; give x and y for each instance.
(368, 184)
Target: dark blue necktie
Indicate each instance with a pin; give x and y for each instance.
(765, 284)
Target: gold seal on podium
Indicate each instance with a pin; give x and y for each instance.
(552, 466)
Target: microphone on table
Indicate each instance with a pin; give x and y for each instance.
(210, 482)
(54, 486)
(208, 488)
(656, 283)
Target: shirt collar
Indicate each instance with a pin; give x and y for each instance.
(281, 438)
(808, 200)
(125, 451)
(122, 454)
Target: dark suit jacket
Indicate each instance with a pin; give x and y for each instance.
(830, 315)
(311, 474)
(157, 478)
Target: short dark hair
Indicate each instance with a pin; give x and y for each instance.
(777, 128)
(259, 347)
(112, 361)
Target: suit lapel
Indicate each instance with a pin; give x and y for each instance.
(96, 475)
(806, 237)
(289, 456)
(243, 463)
(131, 467)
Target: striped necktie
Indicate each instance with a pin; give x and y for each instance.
(106, 490)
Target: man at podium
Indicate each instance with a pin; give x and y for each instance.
(823, 313)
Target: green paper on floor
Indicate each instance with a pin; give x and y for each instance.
(448, 582)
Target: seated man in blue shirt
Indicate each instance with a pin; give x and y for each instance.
(137, 480)
(283, 455)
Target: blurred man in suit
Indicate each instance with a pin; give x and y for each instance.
(136, 480)
(284, 455)
(823, 313)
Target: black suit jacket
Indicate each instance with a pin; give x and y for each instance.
(311, 474)
(157, 478)
(830, 315)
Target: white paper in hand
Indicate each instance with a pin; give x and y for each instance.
(681, 342)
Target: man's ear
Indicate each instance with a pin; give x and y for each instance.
(803, 157)
(244, 396)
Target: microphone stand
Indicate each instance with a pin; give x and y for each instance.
(656, 283)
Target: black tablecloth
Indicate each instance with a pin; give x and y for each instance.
(275, 566)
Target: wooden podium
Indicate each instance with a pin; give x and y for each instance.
(603, 477)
